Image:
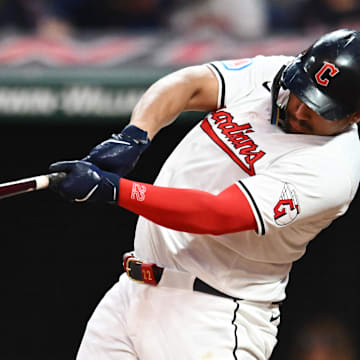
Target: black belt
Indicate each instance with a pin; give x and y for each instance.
(149, 273)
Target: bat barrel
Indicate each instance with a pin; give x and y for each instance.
(30, 184)
(17, 187)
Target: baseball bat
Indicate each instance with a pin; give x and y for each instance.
(30, 184)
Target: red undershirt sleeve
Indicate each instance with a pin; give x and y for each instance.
(189, 210)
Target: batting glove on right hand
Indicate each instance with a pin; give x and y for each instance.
(121, 152)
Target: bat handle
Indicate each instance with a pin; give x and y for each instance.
(56, 178)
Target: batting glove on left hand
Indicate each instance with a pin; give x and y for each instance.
(86, 182)
(120, 153)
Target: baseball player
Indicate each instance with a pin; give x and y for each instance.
(274, 162)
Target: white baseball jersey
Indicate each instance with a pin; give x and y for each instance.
(296, 185)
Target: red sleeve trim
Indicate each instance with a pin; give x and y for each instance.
(189, 210)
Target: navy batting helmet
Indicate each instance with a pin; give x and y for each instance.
(326, 76)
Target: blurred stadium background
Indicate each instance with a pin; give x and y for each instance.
(70, 74)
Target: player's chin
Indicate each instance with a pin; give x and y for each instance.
(294, 131)
(294, 127)
(286, 126)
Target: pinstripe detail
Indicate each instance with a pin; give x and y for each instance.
(235, 328)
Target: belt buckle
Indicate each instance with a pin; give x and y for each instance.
(147, 270)
(127, 260)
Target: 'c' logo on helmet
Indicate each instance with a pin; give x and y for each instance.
(327, 69)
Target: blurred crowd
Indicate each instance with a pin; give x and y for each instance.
(324, 337)
(244, 19)
(309, 16)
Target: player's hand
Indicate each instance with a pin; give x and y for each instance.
(86, 182)
(120, 153)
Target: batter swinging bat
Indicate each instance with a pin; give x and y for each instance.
(30, 184)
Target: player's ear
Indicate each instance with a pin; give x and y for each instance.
(355, 118)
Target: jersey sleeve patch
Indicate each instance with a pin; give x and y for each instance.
(238, 64)
(281, 211)
(287, 208)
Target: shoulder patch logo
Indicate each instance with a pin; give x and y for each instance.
(287, 208)
(237, 64)
(234, 139)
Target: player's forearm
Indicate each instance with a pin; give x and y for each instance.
(189, 210)
(161, 104)
(190, 88)
(193, 88)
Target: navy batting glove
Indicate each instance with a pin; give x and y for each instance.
(121, 152)
(86, 182)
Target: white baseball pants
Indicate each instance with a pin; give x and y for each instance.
(137, 321)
